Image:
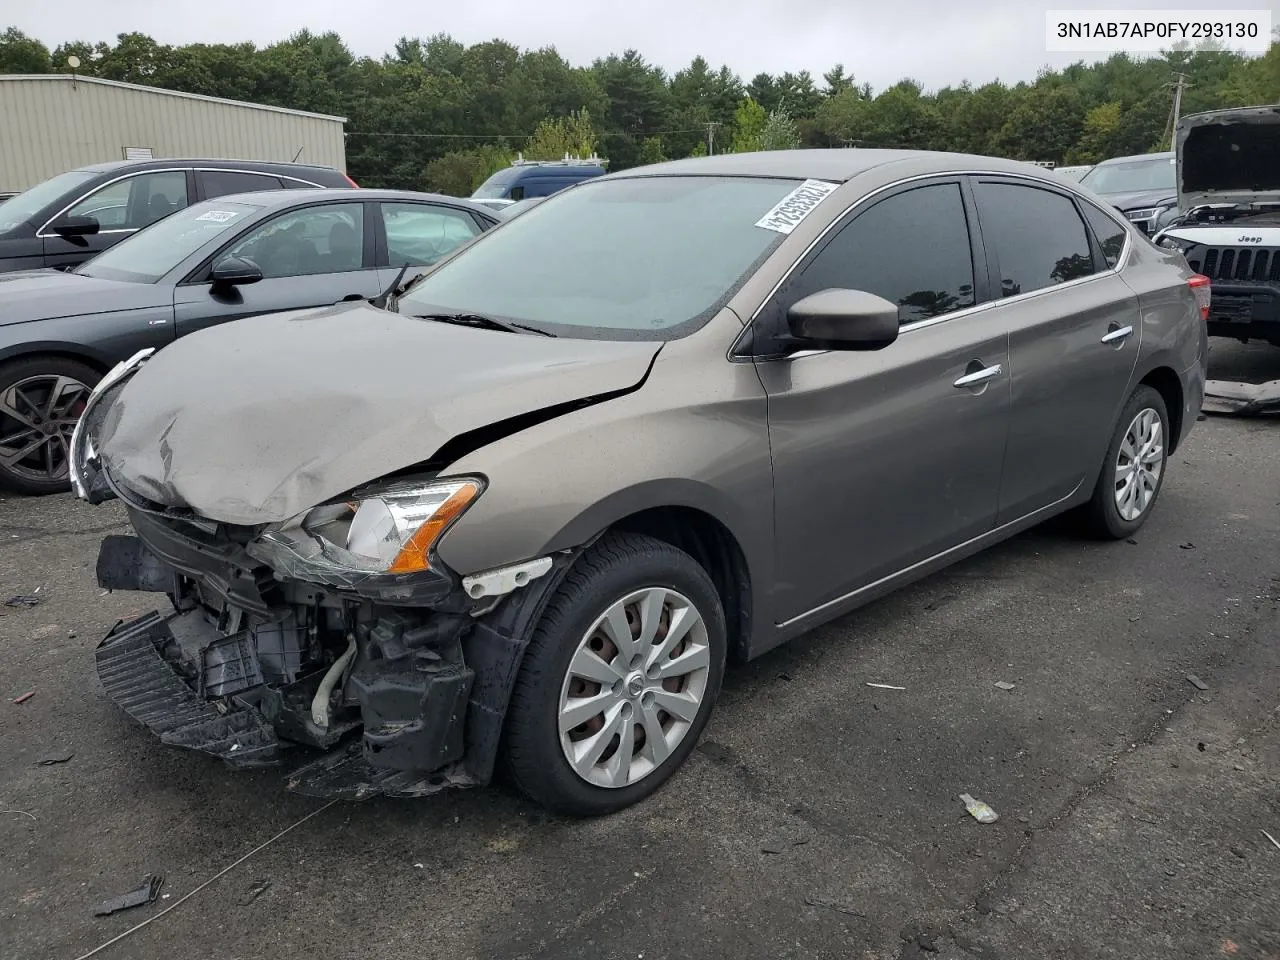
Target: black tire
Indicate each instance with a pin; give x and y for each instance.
(1101, 513)
(607, 572)
(19, 478)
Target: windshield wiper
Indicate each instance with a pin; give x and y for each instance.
(480, 320)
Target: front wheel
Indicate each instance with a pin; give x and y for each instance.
(619, 679)
(41, 400)
(1133, 472)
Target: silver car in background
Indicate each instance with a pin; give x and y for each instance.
(665, 420)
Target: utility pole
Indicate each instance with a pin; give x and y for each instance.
(1178, 85)
(711, 137)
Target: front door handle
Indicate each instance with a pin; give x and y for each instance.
(979, 376)
(1118, 334)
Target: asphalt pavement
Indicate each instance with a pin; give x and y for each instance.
(819, 818)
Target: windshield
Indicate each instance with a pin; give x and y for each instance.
(495, 187)
(18, 210)
(1132, 176)
(149, 254)
(634, 258)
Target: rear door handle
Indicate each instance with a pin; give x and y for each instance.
(980, 376)
(1118, 335)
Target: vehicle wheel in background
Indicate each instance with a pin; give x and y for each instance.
(1134, 469)
(41, 398)
(619, 679)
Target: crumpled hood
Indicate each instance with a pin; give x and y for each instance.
(257, 420)
(27, 295)
(1229, 156)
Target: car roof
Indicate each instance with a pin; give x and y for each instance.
(1162, 155)
(279, 199)
(838, 164)
(213, 164)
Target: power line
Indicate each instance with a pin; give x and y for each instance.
(507, 136)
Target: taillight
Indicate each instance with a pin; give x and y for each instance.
(349, 180)
(1200, 287)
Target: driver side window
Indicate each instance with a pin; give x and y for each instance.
(135, 202)
(420, 234)
(323, 239)
(911, 248)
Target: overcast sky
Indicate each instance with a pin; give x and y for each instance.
(938, 42)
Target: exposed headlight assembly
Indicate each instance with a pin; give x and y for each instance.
(381, 539)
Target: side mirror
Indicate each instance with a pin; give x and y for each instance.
(235, 272)
(75, 226)
(844, 320)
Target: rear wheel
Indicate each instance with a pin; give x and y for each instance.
(41, 400)
(1133, 472)
(619, 679)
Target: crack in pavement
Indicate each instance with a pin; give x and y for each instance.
(981, 904)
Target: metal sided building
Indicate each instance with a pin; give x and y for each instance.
(53, 123)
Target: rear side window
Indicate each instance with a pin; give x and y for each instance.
(421, 233)
(1109, 233)
(1036, 235)
(912, 249)
(220, 183)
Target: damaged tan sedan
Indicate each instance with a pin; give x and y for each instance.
(525, 509)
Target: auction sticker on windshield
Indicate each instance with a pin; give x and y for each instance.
(219, 216)
(795, 206)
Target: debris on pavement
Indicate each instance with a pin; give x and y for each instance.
(830, 905)
(20, 813)
(214, 879)
(771, 848)
(28, 600)
(1196, 682)
(1272, 839)
(54, 758)
(1241, 399)
(24, 697)
(1187, 546)
(885, 686)
(1005, 685)
(144, 894)
(979, 810)
(255, 892)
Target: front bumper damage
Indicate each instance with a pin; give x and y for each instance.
(350, 697)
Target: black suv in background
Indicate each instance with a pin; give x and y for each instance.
(76, 215)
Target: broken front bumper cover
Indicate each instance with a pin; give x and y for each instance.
(1243, 399)
(142, 667)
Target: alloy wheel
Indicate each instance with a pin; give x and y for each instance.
(37, 417)
(634, 687)
(1139, 464)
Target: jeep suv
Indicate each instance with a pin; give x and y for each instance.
(1229, 188)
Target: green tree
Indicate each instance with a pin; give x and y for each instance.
(749, 122)
(779, 132)
(459, 172)
(1102, 135)
(554, 138)
(651, 151)
(22, 54)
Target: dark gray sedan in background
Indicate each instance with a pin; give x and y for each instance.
(214, 261)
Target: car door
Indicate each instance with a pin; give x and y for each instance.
(419, 234)
(310, 256)
(1074, 332)
(122, 207)
(883, 459)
